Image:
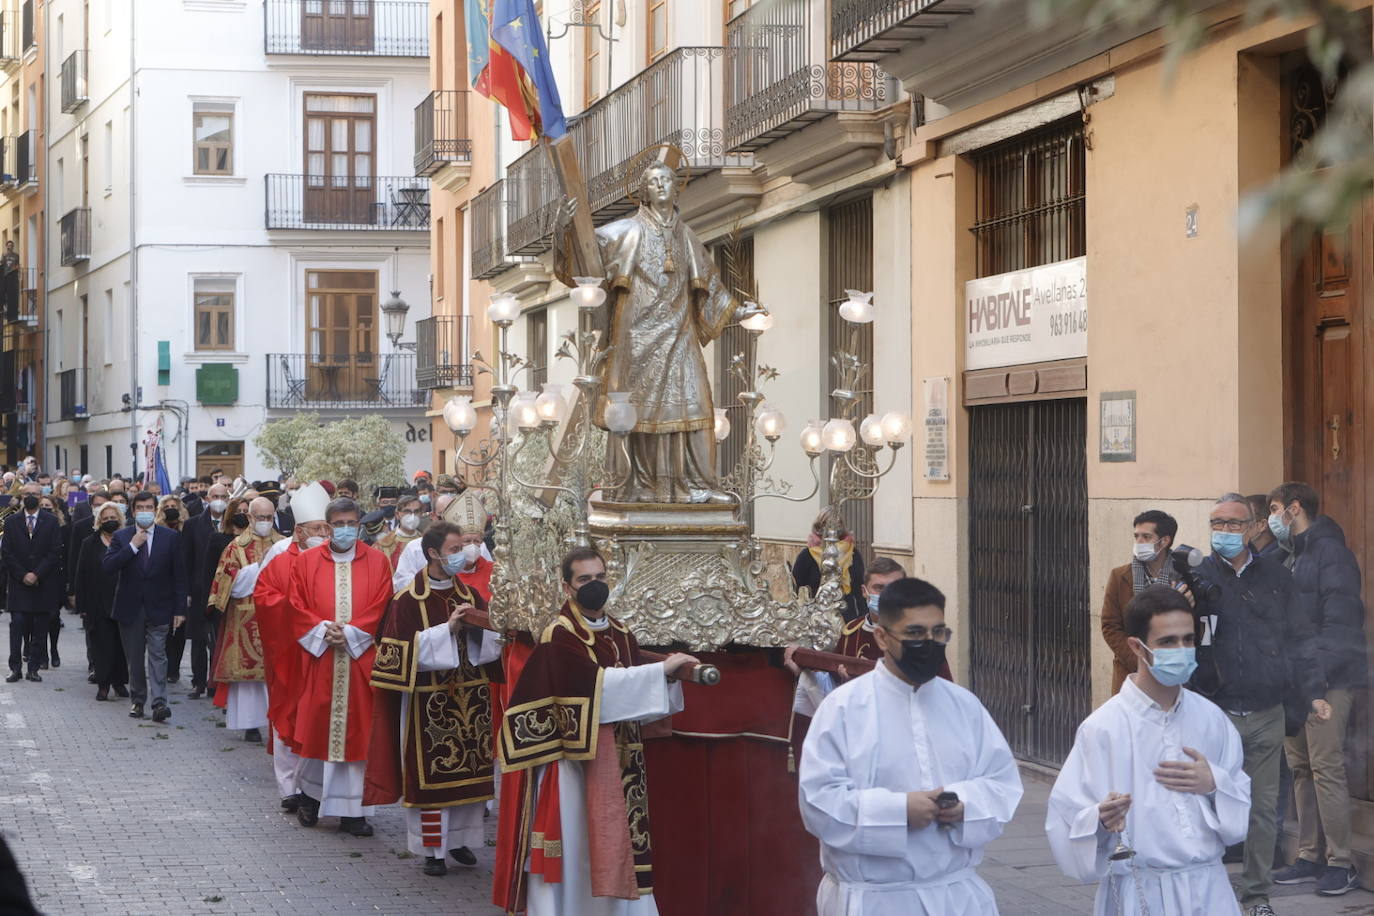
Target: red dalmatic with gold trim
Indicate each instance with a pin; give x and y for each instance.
(334, 706)
(238, 651)
(281, 655)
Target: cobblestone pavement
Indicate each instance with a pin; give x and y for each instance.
(110, 816)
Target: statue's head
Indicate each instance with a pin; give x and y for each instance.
(658, 184)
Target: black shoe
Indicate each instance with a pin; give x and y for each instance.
(42, 666)
(90, 678)
(196, 693)
(136, 711)
(356, 826)
(1234, 854)
(56, 660)
(14, 678)
(435, 867)
(33, 676)
(291, 804)
(1300, 871)
(252, 736)
(121, 691)
(1336, 881)
(102, 694)
(173, 678)
(161, 713)
(463, 856)
(308, 811)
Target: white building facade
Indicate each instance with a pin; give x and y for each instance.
(232, 201)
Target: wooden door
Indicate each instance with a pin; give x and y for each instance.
(227, 456)
(341, 320)
(337, 25)
(340, 159)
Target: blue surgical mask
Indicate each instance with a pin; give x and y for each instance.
(1281, 529)
(1173, 667)
(873, 604)
(454, 563)
(344, 538)
(1229, 544)
(47, 489)
(424, 498)
(144, 519)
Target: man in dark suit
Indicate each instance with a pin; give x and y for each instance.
(196, 536)
(149, 598)
(31, 551)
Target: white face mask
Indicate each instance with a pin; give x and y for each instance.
(410, 521)
(1146, 552)
(218, 506)
(262, 529)
(312, 542)
(470, 555)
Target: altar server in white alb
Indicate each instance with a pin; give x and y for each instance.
(1156, 771)
(905, 777)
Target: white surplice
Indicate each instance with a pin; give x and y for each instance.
(640, 693)
(1178, 837)
(873, 740)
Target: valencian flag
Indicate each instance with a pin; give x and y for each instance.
(478, 16)
(519, 74)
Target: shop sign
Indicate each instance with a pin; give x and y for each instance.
(1027, 316)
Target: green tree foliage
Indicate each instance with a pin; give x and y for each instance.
(1332, 175)
(365, 449)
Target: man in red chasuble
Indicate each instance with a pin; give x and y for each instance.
(431, 735)
(282, 657)
(337, 596)
(574, 835)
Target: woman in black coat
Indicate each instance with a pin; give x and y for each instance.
(58, 509)
(94, 598)
(806, 569)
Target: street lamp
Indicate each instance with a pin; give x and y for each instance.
(394, 314)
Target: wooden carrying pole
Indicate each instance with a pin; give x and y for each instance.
(831, 662)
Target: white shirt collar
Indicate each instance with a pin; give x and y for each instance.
(345, 557)
(439, 584)
(597, 625)
(1142, 705)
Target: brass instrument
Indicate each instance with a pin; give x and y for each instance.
(13, 505)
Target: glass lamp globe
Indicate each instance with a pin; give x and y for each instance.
(504, 307)
(588, 293)
(759, 322)
(769, 423)
(722, 429)
(858, 308)
(838, 435)
(459, 415)
(811, 438)
(523, 412)
(621, 415)
(550, 404)
(871, 430)
(896, 426)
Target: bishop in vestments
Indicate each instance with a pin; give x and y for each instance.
(904, 776)
(432, 735)
(574, 835)
(238, 662)
(282, 657)
(337, 596)
(1153, 791)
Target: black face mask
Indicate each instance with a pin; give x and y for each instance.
(110, 526)
(240, 520)
(172, 514)
(921, 659)
(388, 511)
(593, 596)
(30, 503)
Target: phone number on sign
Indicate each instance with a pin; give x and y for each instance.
(1063, 323)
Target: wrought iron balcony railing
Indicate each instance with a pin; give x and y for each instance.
(10, 51)
(532, 199)
(73, 389)
(26, 28)
(489, 252)
(441, 131)
(864, 30)
(74, 231)
(74, 90)
(370, 28)
(360, 202)
(779, 81)
(442, 352)
(343, 380)
(26, 158)
(19, 296)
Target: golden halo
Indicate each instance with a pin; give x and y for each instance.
(667, 153)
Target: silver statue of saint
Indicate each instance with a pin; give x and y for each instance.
(666, 301)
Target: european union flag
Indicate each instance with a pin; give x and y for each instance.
(515, 27)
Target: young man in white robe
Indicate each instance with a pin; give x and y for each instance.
(1156, 770)
(881, 752)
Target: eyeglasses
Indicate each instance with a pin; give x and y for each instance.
(1231, 524)
(940, 634)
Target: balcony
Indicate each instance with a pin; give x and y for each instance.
(367, 28)
(488, 211)
(19, 296)
(865, 30)
(679, 99)
(9, 39)
(361, 381)
(74, 231)
(74, 90)
(347, 203)
(26, 27)
(779, 80)
(26, 159)
(441, 352)
(441, 131)
(73, 391)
